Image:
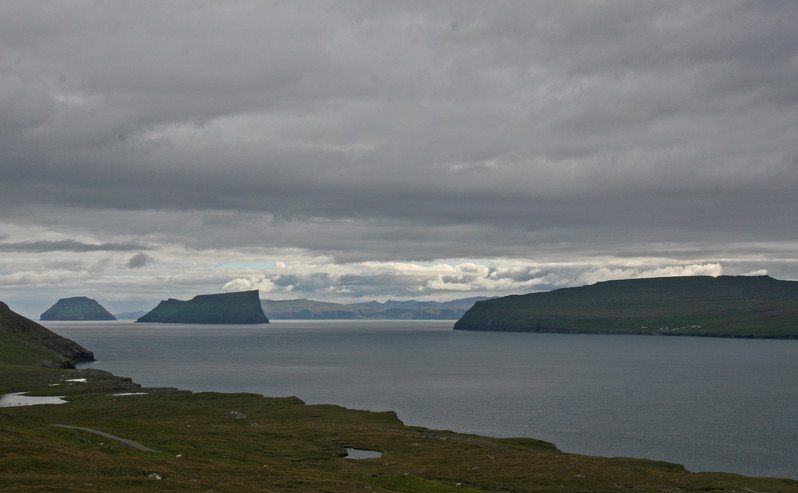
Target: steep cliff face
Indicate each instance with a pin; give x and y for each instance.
(24, 341)
(726, 306)
(77, 308)
(225, 308)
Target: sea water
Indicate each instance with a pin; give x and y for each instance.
(711, 404)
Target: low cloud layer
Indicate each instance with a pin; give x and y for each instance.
(408, 280)
(164, 149)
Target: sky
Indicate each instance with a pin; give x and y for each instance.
(358, 150)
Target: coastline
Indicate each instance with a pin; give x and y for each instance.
(190, 439)
(446, 386)
(197, 437)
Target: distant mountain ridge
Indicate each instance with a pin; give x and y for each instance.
(130, 315)
(77, 308)
(25, 341)
(390, 310)
(225, 308)
(724, 306)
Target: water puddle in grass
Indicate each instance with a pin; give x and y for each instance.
(20, 399)
(358, 454)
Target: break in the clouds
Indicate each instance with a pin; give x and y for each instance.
(577, 141)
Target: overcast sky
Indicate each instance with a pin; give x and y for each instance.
(347, 151)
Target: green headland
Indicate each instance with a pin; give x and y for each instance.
(25, 342)
(725, 306)
(113, 435)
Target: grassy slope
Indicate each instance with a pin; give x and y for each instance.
(284, 445)
(724, 306)
(24, 341)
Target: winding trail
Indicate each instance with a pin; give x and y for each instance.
(131, 443)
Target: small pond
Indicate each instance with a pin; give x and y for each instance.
(358, 454)
(20, 399)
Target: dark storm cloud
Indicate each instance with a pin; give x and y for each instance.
(138, 260)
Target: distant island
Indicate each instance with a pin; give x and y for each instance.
(76, 308)
(226, 308)
(389, 310)
(724, 306)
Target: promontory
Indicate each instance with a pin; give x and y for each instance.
(724, 306)
(77, 308)
(25, 340)
(226, 308)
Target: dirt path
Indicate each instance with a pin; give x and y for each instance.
(131, 443)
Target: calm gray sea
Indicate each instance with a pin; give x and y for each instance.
(710, 404)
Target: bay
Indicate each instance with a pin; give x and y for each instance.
(711, 404)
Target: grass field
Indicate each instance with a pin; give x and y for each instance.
(246, 442)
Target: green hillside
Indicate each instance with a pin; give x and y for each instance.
(725, 306)
(26, 342)
(225, 308)
(77, 308)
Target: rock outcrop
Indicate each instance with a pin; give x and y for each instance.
(77, 308)
(225, 308)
